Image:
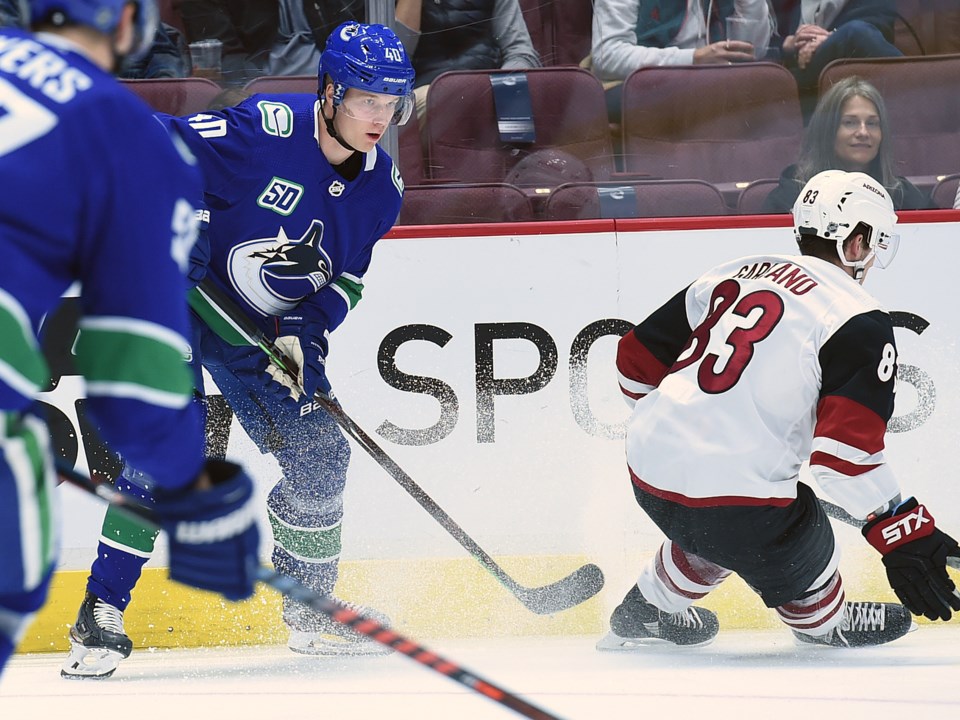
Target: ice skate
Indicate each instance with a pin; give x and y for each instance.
(313, 633)
(863, 624)
(97, 641)
(637, 623)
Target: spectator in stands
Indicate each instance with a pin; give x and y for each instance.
(247, 29)
(305, 25)
(167, 57)
(629, 35)
(848, 131)
(464, 35)
(812, 33)
(9, 13)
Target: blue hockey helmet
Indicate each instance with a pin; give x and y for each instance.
(102, 15)
(369, 58)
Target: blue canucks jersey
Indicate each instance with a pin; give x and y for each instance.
(285, 229)
(96, 191)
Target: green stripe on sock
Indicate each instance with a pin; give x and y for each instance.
(127, 530)
(310, 544)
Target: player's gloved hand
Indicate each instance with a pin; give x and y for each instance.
(212, 532)
(305, 346)
(915, 554)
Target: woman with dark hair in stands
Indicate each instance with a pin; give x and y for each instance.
(847, 131)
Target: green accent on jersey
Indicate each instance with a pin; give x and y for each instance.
(127, 530)
(22, 364)
(352, 288)
(128, 354)
(216, 320)
(26, 449)
(276, 118)
(36, 452)
(397, 179)
(312, 545)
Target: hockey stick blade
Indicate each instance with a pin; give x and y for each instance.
(218, 309)
(340, 614)
(838, 513)
(577, 587)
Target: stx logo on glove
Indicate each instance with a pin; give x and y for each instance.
(907, 525)
(891, 531)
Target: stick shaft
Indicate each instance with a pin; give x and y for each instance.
(551, 600)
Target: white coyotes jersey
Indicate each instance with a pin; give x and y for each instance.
(761, 364)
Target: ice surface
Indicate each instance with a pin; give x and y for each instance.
(743, 674)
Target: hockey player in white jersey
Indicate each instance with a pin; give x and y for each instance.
(97, 193)
(759, 365)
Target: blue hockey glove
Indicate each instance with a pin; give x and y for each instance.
(305, 347)
(915, 555)
(212, 533)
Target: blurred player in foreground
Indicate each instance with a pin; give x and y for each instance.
(97, 192)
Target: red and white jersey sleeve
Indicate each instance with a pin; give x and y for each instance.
(759, 365)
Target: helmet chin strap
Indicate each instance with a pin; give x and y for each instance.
(331, 130)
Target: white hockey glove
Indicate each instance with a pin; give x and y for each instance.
(304, 345)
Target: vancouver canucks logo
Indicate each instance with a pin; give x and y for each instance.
(274, 274)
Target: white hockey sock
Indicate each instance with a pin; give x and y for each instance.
(675, 579)
(818, 613)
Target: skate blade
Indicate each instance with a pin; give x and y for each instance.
(612, 641)
(304, 643)
(85, 663)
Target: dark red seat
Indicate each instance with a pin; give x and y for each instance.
(652, 198)
(945, 191)
(751, 198)
(464, 203)
(923, 107)
(175, 96)
(463, 141)
(719, 123)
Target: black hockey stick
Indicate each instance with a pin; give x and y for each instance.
(838, 513)
(358, 622)
(577, 587)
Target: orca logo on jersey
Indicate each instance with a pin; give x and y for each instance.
(274, 274)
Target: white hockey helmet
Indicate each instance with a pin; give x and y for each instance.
(834, 202)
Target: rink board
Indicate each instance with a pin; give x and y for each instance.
(483, 364)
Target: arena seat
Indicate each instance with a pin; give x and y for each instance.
(649, 198)
(463, 140)
(464, 203)
(719, 123)
(175, 96)
(751, 198)
(945, 191)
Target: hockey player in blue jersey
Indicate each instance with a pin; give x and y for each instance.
(96, 192)
(298, 193)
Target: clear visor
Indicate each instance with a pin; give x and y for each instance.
(885, 250)
(374, 107)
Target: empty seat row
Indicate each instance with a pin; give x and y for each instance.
(470, 203)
